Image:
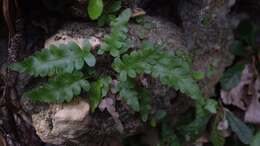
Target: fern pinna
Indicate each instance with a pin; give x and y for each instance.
(56, 60)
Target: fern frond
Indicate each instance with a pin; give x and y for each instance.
(145, 104)
(168, 136)
(172, 69)
(56, 60)
(194, 129)
(129, 94)
(116, 42)
(60, 88)
(216, 136)
(98, 90)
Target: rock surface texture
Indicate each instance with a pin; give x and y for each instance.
(206, 34)
(62, 122)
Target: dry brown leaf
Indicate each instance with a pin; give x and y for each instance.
(138, 12)
(246, 95)
(253, 112)
(238, 95)
(108, 104)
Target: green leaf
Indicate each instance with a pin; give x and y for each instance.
(168, 137)
(129, 94)
(95, 95)
(256, 140)
(188, 86)
(216, 136)
(132, 73)
(95, 9)
(114, 6)
(55, 60)
(106, 82)
(247, 32)
(232, 77)
(159, 115)
(198, 75)
(59, 89)
(117, 42)
(98, 90)
(145, 106)
(90, 60)
(123, 76)
(172, 70)
(238, 49)
(123, 18)
(194, 129)
(244, 133)
(211, 106)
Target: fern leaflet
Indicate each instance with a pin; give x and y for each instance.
(98, 90)
(56, 60)
(172, 69)
(129, 94)
(116, 42)
(60, 88)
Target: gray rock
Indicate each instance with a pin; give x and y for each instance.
(58, 123)
(206, 34)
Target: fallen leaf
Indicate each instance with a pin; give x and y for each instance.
(108, 104)
(237, 95)
(256, 140)
(138, 12)
(232, 77)
(244, 133)
(253, 112)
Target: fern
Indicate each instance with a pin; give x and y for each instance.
(167, 136)
(145, 102)
(136, 97)
(172, 69)
(198, 125)
(98, 90)
(56, 60)
(63, 62)
(216, 137)
(116, 42)
(129, 94)
(60, 88)
(110, 11)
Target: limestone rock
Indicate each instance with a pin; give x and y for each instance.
(61, 122)
(208, 44)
